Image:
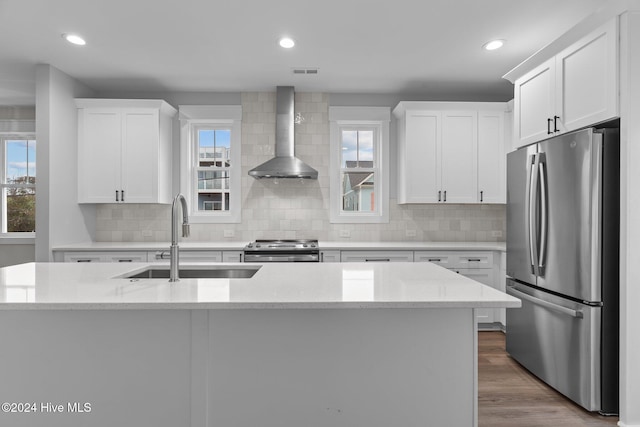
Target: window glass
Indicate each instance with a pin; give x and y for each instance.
(213, 169)
(358, 192)
(357, 148)
(18, 191)
(214, 147)
(358, 170)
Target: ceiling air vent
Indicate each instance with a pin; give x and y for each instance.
(305, 71)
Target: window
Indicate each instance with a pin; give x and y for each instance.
(210, 166)
(18, 185)
(359, 164)
(357, 169)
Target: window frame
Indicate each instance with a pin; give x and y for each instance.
(4, 138)
(359, 118)
(193, 118)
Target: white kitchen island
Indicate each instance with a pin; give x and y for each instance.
(316, 344)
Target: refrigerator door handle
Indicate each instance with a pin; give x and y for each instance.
(531, 212)
(544, 214)
(551, 306)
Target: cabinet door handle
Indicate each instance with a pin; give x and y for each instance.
(125, 260)
(474, 259)
(377, 260)
(84, 260)
(439, 196)
(445, 195)
(434, 259)
(555, 124)
(549, 127)
(117, 196)
(123, 195)
(481, 196)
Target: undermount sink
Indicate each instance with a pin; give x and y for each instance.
(209, 272)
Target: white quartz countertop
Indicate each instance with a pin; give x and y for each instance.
(324, 245)
(275, 285)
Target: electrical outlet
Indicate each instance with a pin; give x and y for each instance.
(229, 233)
(411, 233)
(496, 233)
(147, 233)
(345, 233)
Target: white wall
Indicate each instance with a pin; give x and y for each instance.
(59, 218)
(629, 220)
(15, 253)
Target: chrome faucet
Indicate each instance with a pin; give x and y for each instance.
(174, 250)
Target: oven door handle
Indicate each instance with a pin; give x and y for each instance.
(249, 257)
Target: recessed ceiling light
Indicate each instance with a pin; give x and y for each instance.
(493, 45)
(75, 39)
(286, 42)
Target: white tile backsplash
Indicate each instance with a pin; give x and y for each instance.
(299, 209)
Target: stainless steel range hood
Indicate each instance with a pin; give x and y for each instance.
(285, 164)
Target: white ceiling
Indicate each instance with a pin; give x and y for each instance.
(429, 48)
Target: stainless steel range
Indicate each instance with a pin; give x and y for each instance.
(282, 251)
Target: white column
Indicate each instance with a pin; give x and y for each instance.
(629, 219)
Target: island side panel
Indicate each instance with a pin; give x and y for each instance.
(131, 366)
(341, 367)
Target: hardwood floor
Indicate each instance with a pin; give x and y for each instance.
(509, 396)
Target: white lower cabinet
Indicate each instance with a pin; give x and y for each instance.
(477, 265)
(147, 256)
(231, 256)
(376, 256)
(485, 316)
(187, 256)
(82, 257)
(90, 256)
(329, 256)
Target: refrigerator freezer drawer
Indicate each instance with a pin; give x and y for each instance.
(558, 340)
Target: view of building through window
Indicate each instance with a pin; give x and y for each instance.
(213, 169)
(358, 170)
(18, 185)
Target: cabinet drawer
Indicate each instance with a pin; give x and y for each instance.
(187, 256)
(456, 259)
(126, 257)
(91, 256)
(329, 256)
(82, 257)
(445, 259)
(200, 256)
(475, 260)
(482, 275)
(376, 256)
(232, 256)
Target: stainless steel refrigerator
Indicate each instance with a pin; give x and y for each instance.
(562, 262)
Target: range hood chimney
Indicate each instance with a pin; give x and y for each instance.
(285, 164)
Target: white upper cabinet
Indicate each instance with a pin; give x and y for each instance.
(451, 152)
(421, 133)
(534, 104)
(492, 156)
(459, 151)
(124, 151)
(576, 88)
